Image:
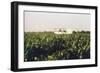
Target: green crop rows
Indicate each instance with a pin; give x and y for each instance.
(44, 46)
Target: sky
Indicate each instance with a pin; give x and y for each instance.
(51, 21)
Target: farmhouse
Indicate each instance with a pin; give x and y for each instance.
(63, 31)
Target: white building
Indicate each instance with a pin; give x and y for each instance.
(63, 31)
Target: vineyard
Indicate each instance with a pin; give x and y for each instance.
(46, 46)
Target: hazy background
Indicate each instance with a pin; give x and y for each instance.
(50, 21)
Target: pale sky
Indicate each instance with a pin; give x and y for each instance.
(48, 21)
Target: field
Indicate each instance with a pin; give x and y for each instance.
(46, 46)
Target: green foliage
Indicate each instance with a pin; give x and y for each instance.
(44, 46)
